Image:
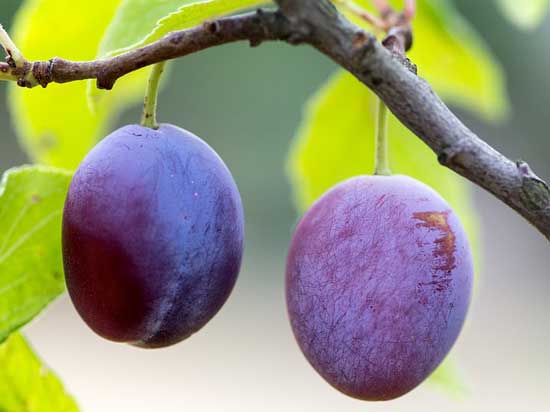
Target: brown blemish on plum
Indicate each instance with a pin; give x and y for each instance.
(445, 246)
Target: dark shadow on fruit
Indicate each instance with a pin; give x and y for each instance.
(103, 282)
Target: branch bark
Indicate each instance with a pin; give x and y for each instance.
(380, 66)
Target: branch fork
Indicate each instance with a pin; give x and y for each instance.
(16, 67)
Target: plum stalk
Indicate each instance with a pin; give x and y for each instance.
(381, 162)
(149, 116)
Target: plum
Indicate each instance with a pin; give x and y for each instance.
(378, 283)
(152, 236)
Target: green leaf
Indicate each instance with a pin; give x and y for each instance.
(449, 377)
(455, 60)
(526, 14)
(139, 22)
(336, 141)
(26, 384)
(55, 125)
(31, 271)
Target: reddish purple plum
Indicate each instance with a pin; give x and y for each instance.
(378, 283)
(152, 236)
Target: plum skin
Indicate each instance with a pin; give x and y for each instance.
(378, 283)
(152, 236)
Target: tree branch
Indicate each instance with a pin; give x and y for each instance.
(380, 66)
(254, 27)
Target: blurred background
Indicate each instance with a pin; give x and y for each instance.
(247, 105)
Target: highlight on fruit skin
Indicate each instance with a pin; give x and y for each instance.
(378, 283)
(152, 236)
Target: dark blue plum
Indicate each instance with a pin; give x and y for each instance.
(378, 283)
(152, 236)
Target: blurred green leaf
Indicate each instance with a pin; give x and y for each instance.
(27, 385)
(139, 22)
(134, 20)
(455, 60)
(336, 141)
(31, 271)
(55, 125)
(449, 377)
(526, 14)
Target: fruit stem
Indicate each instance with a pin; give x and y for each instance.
(149, 117)
(381, 163)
